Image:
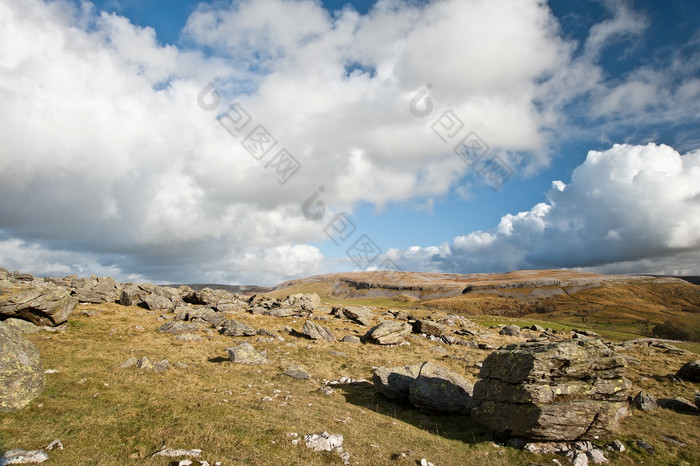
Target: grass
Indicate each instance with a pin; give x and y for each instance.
(106, 415)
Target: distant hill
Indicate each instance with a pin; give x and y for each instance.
(564, 295)
(240, 289)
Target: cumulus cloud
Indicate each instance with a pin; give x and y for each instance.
(109, 163)
(626, 209)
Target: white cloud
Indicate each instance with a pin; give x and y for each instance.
(627, 209)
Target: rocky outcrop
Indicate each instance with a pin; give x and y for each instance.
(563, 391)
(389, 332)
(21, 372)
(95, 290)
(148, 296)
(46, 305)
(220, 300)
(426, 386)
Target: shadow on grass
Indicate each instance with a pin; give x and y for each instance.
(219, 360)
(450, 426)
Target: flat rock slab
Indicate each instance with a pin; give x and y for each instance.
(176, 327)
(41, 306)
(690, 371)
(317, 332)
(389, 332)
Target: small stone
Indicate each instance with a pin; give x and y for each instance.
(180, 365)
(172, 453)
(324, 441)
(424, 462)
(510, 330)
(645, 446)
(351, 339)
(580, 459)
(246, 354)
(55, 444)
(644, 402)
(128, 363)
(297, 372)
(618, 446)
(596, 455)
(327, 391)
(19, 456)
(188, 337)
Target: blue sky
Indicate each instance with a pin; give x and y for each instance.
(113, 166)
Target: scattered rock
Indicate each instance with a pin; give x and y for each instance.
(439, 389)
(580, 459)
(596, 455)
(22, 326)
(188, 337)
(678, 404)
(644, 402)
(359, 314)
(176, 326)
(618, 446)
(21, 371)
(690, 371)
(697, 400)
(567, 390)
(235, 328)
(389, 332)
(424, 462)
(148, 365)
(645, 446)
(297, 372)
(324, 441)
(89, 313)
(246, 354)
(317, 332)
(394, 383)
(131, 362)
(42, 306)
(55, 444)
(174, 453)
(510, 330)
(352, 339)
(430, 328)
(18, 456)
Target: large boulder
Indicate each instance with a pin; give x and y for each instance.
(246, 354)
(220, 300)
(152, 297)
(543, 391)
(21, 372)
(359, 314)
(389, 332)
(439, 389)
(426, 386)
(690, 371)
(235, 328)
(430, 328)
(96, 290)
(317, 332)
(42, 306)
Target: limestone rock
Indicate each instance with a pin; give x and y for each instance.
(678, 404)
(644, 402)
(510, 330)
(561, 391)
(235, 328)
(297, 372)
(389, 332)
(697, 400)
(324, 441)
(21, 372)
(351, 339)
(96, 290)
(246, 354)
(22, 326)
(19, 456)
(41, 306)
(430, 328)
(359, 314)
(395, 382)
(317, 332)
(439, 389)
(690, 371)
(175, 327)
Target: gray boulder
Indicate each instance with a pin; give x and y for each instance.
(430, 328)
(235, 328)
(361, 315)
(395, 382)
(678, 404)
(439, 389)
(389, 332)
(690, 371)
(21, 372)
(644, 402)
(176, 326)
(42, 306)
(96, 290)
(22, 326)
(544, 391)
(510, 330)
(246, 354)
(317, 332)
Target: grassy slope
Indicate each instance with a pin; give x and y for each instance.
(111, 416)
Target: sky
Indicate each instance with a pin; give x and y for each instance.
(257, 141)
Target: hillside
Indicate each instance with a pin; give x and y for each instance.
(633, 303)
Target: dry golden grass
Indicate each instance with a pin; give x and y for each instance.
(106, 415)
